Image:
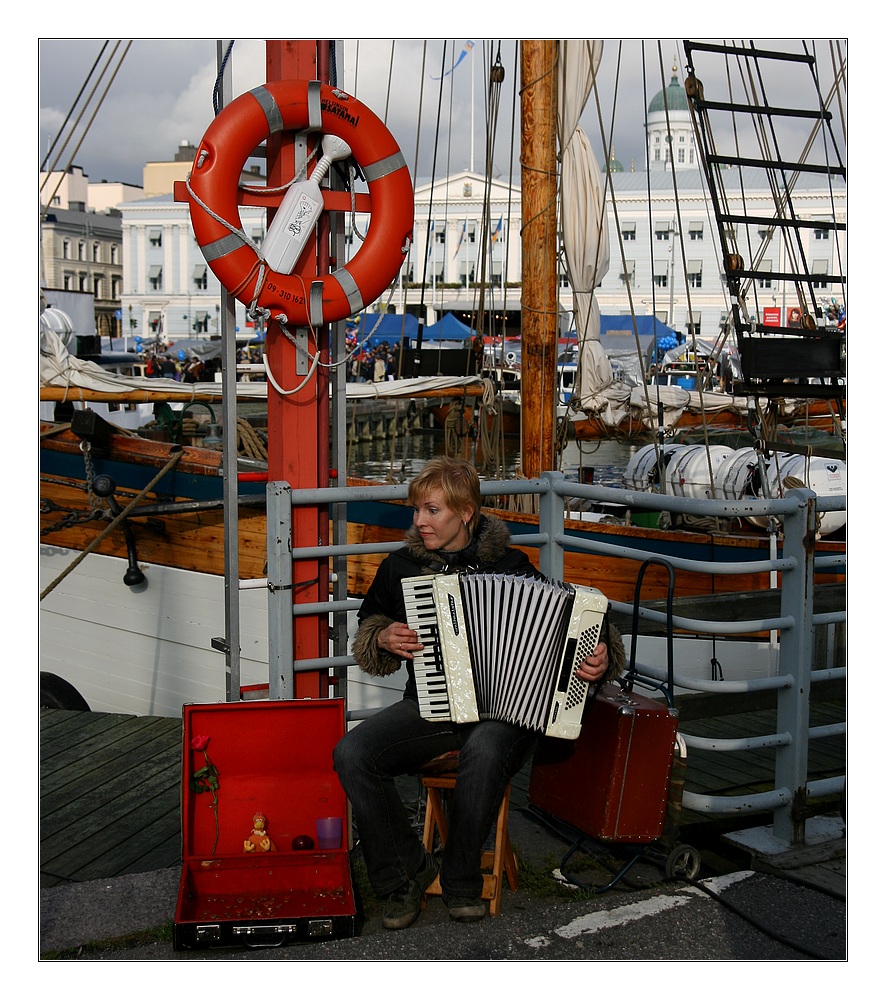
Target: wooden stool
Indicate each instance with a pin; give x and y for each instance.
(502, 860)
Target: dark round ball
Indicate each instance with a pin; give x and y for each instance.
(303, 843)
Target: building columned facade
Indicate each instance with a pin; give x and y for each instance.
(169, 292)
(150, 280)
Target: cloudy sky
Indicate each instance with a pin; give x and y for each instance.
(162, 94)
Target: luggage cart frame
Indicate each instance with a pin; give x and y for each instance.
(651, 838)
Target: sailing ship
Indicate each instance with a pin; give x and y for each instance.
(174, 502)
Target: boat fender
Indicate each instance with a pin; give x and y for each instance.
(303, 106)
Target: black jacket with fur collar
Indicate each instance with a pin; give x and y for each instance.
(489, 551)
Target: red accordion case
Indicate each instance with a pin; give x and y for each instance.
(274, 759)
(612, 782)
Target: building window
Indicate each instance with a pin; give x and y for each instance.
(820, 272)
(821, 233)
(115, 253)
(199, 278)
(96, 253)
(627, 275)
(66, 249)
(155, 237)
(258, 235)
(68, 282)
(82, 282)
(97, 284)
(681, 155)
(693, 273)
(115, 287)
(629, 231)
(201, 322)
(662, 231)
(155, 278)
(764, 280)
(660, 274)
(696, 230)
(81, 250)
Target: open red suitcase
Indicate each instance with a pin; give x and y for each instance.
(273, 758)
(612, 783)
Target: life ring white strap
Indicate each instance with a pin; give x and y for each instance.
(381, 168)
(225, 245)
(348, 286)
(315, 119)
(270, 108)
(275, 117)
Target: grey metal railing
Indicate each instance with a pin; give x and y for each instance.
(795, 623)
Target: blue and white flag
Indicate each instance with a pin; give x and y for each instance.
(497, 231)
(468, 46)
(464, 229)
(430, 238)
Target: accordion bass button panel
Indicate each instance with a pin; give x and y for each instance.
(567, 707)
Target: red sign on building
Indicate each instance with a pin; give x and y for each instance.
(771, 316)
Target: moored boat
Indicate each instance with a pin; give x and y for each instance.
(179, 524)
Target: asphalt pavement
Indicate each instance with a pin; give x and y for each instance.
(759, 906)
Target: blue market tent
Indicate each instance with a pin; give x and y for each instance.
(447, 328)
(647, 326)
(391, 327)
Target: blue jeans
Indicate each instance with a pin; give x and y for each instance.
(399, 741)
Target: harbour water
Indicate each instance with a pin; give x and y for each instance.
(399, 460)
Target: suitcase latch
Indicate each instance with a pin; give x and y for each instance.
(319, 928)
(208, 932)
(264, 935)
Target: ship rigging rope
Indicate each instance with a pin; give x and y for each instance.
(702, 375)
(63, 173)
(100, 538)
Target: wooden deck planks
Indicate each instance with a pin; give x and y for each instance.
(109, 794)
(110, 785)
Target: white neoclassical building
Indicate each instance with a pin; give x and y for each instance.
(665, 252)
(169, 292)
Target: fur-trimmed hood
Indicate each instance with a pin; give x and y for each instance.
(488, 545)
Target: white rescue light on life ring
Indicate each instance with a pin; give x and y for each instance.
(303, 106)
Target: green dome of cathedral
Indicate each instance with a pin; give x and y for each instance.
(677, 100)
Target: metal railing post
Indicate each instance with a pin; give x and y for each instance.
(551, 511)
(795, 659)
(280, 621)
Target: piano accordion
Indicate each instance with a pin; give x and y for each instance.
(503, 647)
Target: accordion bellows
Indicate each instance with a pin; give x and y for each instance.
(503, 647)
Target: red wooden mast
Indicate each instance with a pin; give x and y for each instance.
(298, 424)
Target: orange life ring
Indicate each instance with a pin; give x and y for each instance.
(304, 106)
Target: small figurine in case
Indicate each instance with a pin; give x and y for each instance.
(259, 840)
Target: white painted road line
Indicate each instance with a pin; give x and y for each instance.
(593, 923)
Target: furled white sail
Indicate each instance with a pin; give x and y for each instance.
(61, 369)
(582, 206)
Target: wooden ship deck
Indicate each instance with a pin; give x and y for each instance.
(110, 785)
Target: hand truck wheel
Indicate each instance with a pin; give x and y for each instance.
(683, 862)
